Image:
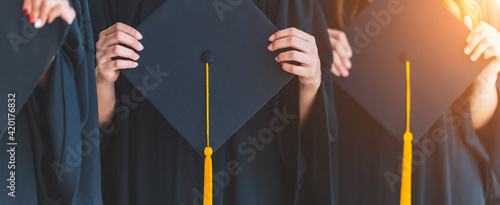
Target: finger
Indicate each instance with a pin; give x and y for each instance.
(342, 53)
(45, 8)
(55, 12)
(26, 7)
(119, 37)
(493, 51)
(468, 22)
(296, 70)
(334, 70)
(122, 27)
(35, 10)
(340, 66)
(290, 42)
(68, 14)
(292, 32)
(477, 38)
(296, 56)
(334, 33)
(480, 49)
(118, 64)
(340, 36)
(480, 30)
(116, 51)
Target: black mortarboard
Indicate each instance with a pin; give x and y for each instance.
(26, 53)
(387, 34)
(183, 35)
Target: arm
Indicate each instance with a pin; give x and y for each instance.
(484, 41)
(108, 70)
(309, 68)
(483, 96)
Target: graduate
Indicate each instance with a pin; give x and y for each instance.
(52, 139)
(147, 160)
(457, 160)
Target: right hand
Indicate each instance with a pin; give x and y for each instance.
(108, 47)
(342, 53)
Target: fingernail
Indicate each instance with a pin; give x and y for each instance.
(350, 53)
(468, 39)
(473, 58)
(32, 19)
(38, 23)
(276, 59)
(346, 73)
(270, 47)
(138, 36)
(137, 56)
(136, 64)
(348, 64)
(141, 46)
(271, 38)
(467, 51)
(26, 12)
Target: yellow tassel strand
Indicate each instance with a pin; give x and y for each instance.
(407, 149)
(208, 186)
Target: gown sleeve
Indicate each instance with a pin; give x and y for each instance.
(70, 104)
(60, 123)
(489, 135)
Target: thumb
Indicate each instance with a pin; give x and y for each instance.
(468, 22)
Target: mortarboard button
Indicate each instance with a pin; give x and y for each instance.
(208, 56)
(402, 57)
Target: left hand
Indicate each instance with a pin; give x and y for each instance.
(45, 11)
(305, 53)
(484, 41)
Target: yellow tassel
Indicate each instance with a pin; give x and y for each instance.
(207, 199)
(407, 148)
(208, 183)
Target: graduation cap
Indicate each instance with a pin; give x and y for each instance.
(26, 53)
(196, 47)
(180, 37)
(386, 35)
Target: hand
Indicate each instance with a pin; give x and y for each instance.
(342, 53)
(483, 40)
(108, 47)
(306, 54)
(45, 11)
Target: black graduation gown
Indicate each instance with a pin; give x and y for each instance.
(452, 163)
(145, 161)
(57, 152)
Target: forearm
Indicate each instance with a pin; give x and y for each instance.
(106, 101)
(483, 98)
(307, 96)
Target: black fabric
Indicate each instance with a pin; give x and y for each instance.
(57, 152)
(146, 161)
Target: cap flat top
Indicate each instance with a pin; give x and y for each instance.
(432, 39)
(243, 74)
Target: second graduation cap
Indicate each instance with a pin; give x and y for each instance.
(387, 34)
(180, 38)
